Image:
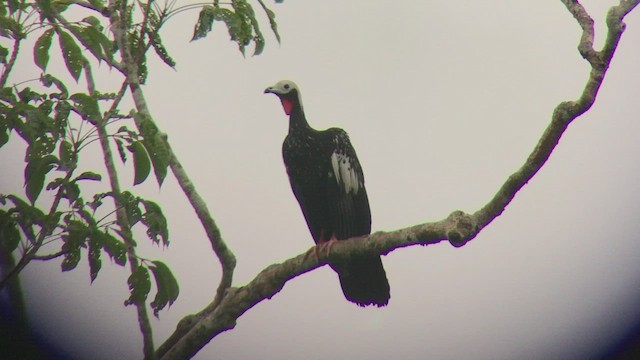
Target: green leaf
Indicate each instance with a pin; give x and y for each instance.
(48, 80)
(71, 259)
(34, 214)
(71, 53)
(10, 28)
(241, 29)
(161, 51)
(7, 94)
(168, 289)
(123, 154)
(141, 163)
(68, 157)
(9, 234)
(95, 246)
(156, 223)
(4, 52)
(56, 183)
(159, 158)
(53, 219)
(34, 175)
(139, 285)
(27, 95)
(97, 200)
(74, 239)
(259, 42)
(72, 191)
(65, 151)
(88, 175)
(156, 148)
(41, 49)
(61, 116)
(40, 147)
(205, 22)
(87, 106)
(99, 4)
(93, 21)
(4, 135)
(34, 181)
(131, 205)
(250, 24)
(115, 249)
(272, 19)
(94, 40)
(77, 233)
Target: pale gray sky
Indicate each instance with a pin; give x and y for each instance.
(442, 100)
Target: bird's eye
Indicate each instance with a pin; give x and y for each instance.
(286, 86)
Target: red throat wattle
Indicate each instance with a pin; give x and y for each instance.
(287, 105)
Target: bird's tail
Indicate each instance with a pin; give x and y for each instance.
(364, 281)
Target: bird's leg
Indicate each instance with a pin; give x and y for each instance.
(314, 251)
(329, 244)
(322, 245)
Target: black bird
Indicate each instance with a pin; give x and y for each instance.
(327, 179)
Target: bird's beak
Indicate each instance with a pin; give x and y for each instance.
(269, 90)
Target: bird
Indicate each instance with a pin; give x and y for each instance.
(327, 180)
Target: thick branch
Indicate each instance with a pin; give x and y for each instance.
(195, 331)
(201, 328)
(227, 259)
(566, 111)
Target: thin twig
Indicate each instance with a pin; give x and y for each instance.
(11, 62)
(50, 256)
(45, 231)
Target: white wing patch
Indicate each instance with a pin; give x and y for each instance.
(345, 174)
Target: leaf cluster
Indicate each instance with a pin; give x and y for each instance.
(64, 213)
(56, 127)
(140, 285)
(241, 23)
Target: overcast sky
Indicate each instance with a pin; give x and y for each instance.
(442, 100)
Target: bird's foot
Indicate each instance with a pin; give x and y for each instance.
(323, 246)
(327, 245)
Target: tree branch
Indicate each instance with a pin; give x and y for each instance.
(220, 248)
(130, 68)
(227, 259)
(195, 331)
(11, 62)
(45, 230)
(122, 218)
(14, 293)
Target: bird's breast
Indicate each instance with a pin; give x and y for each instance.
(304, 159)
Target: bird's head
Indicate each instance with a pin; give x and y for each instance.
(288, 93)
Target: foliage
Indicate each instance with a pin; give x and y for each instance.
(241, 23)
(61, 215)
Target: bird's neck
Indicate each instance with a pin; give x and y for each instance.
(297, 120)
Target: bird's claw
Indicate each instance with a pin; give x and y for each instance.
(323, 246)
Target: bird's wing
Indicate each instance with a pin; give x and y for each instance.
(347, 197)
